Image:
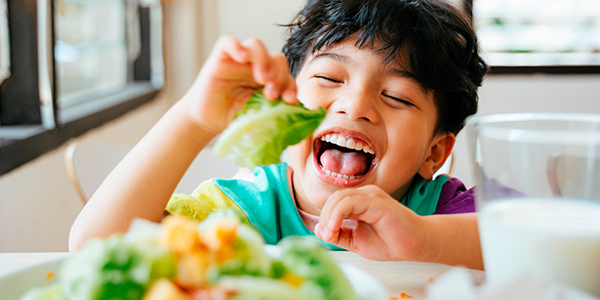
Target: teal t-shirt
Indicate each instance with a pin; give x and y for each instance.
(267, 201)
(268, 204)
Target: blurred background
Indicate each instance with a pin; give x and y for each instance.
(545, 54)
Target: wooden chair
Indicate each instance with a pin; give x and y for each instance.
(88, 164)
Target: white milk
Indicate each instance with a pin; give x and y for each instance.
(556, 240)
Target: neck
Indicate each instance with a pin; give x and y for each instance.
(299, 195)
(399, 193)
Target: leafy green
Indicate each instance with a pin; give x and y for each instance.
(261, 288)
(49, 292)
(249, 259)
(116, 269)
(262, 129)
(307, 258)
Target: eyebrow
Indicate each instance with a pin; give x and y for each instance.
(334, 56)
(407, 74)
(398, 72)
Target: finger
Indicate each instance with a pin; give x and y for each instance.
(282, 84)
(228, 47)
(329, 222)
(353, 206)
(262, 68)
(361, 205)
(333, 200)
(344, 238)
(327, 208)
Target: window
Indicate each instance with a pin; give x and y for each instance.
(91, 48)
(555, 36)
(67, 66)
(4, 43)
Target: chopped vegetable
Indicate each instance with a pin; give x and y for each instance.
(262, 129)
(307, 259)
(181, 259)
(116, 269)
(49, 292)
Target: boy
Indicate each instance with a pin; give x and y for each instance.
(397, 78)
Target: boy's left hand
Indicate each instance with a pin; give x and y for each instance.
(385, 230)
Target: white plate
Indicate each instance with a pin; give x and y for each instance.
(14, 285)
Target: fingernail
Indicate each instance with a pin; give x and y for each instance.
(268, 91)
(331, 223)
(290, 96)
(326, 234)
(243, 54)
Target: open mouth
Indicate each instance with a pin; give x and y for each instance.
(344, 157)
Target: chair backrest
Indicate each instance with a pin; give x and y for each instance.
(574, 176)
(88, 164)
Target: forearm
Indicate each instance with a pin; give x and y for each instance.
(453, 240)
(143, 181)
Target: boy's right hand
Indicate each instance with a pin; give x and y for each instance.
(232, 73)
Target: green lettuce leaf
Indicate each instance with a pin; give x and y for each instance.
(262, 129)
(116, 268)
(261, 288)
(49, 292)
(306, 258)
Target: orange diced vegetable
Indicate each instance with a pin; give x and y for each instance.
(50, 275)
(163, 289)
(181, 234)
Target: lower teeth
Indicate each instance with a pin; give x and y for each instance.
(334, 174)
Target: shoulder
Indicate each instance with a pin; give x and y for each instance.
(260, 180)
(455, 198)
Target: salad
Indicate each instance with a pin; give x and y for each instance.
(180, 259)
(262, 129)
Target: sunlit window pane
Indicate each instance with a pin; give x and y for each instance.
(4, 42)
(90, 49)
(538, 32)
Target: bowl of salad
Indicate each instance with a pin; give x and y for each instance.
(221, 257)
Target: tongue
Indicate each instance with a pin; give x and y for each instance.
(345, 163)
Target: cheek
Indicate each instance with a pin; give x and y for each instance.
(299, 153)
(311, 94)
(408, 145)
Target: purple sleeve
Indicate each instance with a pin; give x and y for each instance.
(455, 198)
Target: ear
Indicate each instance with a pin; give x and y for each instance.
(439, 150)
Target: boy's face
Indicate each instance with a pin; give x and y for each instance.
(371, 104)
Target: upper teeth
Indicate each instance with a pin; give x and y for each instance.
(346, 142)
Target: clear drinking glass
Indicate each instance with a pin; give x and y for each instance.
(538, 196)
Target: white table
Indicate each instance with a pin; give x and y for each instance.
(410, 278)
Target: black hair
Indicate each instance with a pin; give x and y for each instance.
(437, 39)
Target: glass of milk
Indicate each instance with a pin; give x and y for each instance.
(538, 196)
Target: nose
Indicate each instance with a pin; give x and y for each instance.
(357, 104)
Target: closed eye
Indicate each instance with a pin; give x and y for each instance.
(399, 100)
(328, 79)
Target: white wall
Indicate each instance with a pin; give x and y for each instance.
(38, 203)
(529, 93)
(259, 18)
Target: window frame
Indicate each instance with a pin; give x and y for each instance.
(27, 135)
(532, 69)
